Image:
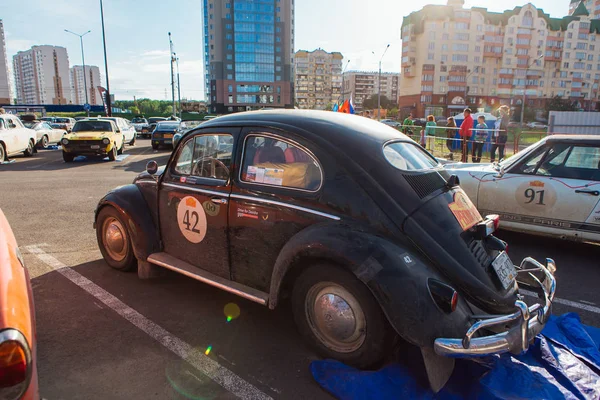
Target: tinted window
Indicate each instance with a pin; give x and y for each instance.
(408, 157)
(529, 164)
(275, 162)
(93, 126)
(167, 127)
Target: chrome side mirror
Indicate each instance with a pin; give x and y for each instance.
(501, 172)
(152, 167)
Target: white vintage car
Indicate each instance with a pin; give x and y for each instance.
(551, 188)
(15, 138)
(46, 135)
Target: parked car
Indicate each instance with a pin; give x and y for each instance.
(152, 121)
(184, 127)
(50, 120)
(126, 129)
(139, 123)
(391, 122)
(63, 123)
(514, 125)
(551, 188)
(18, 346)
(93, 137)
(45, 134)
(15, 138)
(536, 125)
(370, 237)
(163, 134)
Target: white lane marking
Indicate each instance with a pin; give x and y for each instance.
(209, 367)
(574, 304)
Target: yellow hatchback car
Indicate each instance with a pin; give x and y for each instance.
(93, 137)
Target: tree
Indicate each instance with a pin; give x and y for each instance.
(393, 113)
(371, 102)
(134, 110)
(329, 107)
(558, 104)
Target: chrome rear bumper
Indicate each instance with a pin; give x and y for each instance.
(516, 330)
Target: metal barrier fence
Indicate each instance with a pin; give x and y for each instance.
(442, 146)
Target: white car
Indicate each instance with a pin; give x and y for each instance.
(551, 188)
(15, 138)
(391, 122)
(126, 128)
(46, 135)
(536, 125)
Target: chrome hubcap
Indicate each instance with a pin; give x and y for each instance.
(115, 239)
(335, 317)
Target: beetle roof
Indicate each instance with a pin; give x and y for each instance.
(339, 129)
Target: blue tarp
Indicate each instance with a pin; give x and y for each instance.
(563, 362)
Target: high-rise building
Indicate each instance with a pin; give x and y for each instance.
(248, 50)
(5, 95)
(42, 75)
(593, 7)
(361, 85)
(453, 57)
(318, 78)
(92, 81)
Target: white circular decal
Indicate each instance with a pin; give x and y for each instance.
(536, 196)
(191, 219)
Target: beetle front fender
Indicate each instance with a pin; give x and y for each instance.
(397, 278)
(131, 205)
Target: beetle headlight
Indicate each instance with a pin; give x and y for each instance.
(105, 141)
(65, 141)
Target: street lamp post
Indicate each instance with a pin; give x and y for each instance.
(107, 93)
(178, 86)
(525, 88)
(343, 79)
(475, 70)
(379, 84)
(174, 113)
(85, 89)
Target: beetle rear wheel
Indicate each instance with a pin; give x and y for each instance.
(30, 149)
(340, 317)
(114, 241)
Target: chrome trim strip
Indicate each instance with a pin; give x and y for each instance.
(278, 203)
(218, 282)
(193, 189)
(285, 140)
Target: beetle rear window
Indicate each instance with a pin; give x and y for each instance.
(408, 157)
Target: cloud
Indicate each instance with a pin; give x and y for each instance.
(156, 54)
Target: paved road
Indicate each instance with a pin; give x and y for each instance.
(104, 334)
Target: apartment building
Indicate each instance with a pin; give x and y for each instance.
(453, 57)
(318, 78)
(92, 81)
(248, 50)
(5, 92)
(363, 84)
(42, 75)
(593, 7)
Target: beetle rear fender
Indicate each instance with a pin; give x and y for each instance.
(131, 205)
(395, 275)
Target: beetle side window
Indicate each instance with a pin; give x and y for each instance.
(183, 165)
(408, 157)
(273, 162)
(212, 156)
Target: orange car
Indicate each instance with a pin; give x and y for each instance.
(18, 371)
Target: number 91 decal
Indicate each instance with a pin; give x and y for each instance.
(536, 195)
(191, 219)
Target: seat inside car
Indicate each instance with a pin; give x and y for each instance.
(269, 153)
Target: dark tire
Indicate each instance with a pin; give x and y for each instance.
(44, 142)
(112, 154)
(30, 149)
(114, 240)
(2, 153)
(120, 151)
(362, 336)
(68, 157)
(154, 146)
(132, 143)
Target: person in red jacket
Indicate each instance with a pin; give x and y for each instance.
(465, 133)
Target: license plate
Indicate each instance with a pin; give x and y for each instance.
(95, 147)
(168, 141)
(505, 270)
(168, 136)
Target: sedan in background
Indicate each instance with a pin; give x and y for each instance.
(64, 123)
(164, 133)
(152, 121)
(551, 188)
(139, 123)
(536, 125)
(391, 122)
(46, 135)
(15, 138)
(18, 366)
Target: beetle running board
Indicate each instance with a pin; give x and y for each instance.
(173, 263)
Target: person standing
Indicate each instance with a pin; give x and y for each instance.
(428, 135)
(450, 133)
(465, 133)
(500, 133)
(407, 124)
(479, 139)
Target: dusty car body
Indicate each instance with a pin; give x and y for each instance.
(370, 237)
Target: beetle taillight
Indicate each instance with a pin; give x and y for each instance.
(454, 301)
(496, 219)
(13, 364)
(444, 296)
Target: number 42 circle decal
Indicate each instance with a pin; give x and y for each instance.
(191, 219)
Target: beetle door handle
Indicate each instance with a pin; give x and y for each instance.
(219, 201)
(592, 192)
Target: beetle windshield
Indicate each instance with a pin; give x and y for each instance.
(408, 157)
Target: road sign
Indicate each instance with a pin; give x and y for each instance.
(87, 107)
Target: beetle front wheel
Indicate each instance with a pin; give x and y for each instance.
(114, 241)
(340, 317)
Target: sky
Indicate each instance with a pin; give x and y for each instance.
(138, 45)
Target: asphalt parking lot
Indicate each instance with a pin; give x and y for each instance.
(106, 334)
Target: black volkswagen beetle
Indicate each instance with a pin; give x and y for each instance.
(361, 227)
